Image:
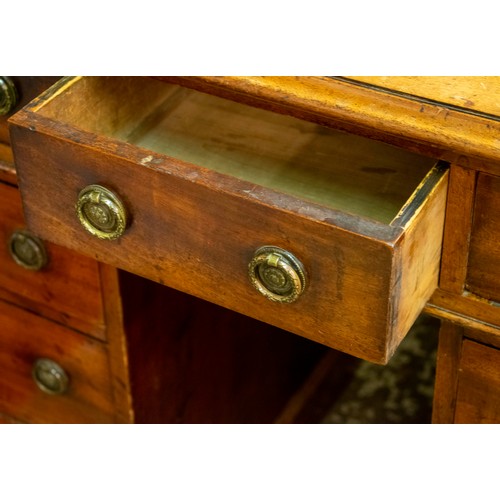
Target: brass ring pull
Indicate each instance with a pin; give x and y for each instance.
(50, 377)
(8, 95)
(27, 250)
(101, 212)
(277, 274)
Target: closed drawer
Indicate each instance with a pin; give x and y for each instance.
(206, 182)
(483, 267)
(66, 288)
(478, 391)
(33, 347)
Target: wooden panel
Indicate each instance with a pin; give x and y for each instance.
(194, 362)
(483, 275)
(459, 210)
(468, 310)
(416, 272)
(7, 170)
(313, 400)
(478, 398)
(28, 87)
(66, 290)
(6, 156)
(475, 93)
(24, 338)
(117, 342)
(447, 363)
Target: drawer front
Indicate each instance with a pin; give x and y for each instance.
(26, 89)
(25, 340)
(66, 289)
(483, 270)
(197, 230)
(478, 393)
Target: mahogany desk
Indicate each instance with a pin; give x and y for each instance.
(193, 247)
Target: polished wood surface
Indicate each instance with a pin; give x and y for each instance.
(478, 395)
(416, 272)
(193, 362)
(467, 386)
(188, 233)
(459, 215)
(483, 271)
(24, 338)
(474, 93)
(66, 290)
(447, 366)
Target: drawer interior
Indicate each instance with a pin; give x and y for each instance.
(311, 162)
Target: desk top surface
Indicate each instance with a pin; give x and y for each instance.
(478, 94)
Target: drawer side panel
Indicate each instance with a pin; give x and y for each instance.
(419, 257)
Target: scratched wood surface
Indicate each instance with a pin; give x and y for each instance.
(475, 93)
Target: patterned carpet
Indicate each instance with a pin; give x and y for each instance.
(398, 393)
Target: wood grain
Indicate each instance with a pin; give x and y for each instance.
(483, 272)
(431, 128)
(467, 309)
(474, 93)
(193, 362)
(447, 365)
(24, 338)
(459, 215)
(416, 269)
(67, 290)
(478, 396)
(118, 354)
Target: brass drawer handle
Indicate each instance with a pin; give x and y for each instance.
(101, 212)
(50, 377)
(277, 274)
(8, 95)
(27, 250)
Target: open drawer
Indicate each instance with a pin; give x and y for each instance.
(196, 186)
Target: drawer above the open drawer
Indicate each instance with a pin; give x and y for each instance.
(328, 235)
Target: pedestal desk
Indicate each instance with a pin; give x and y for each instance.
(192, 249)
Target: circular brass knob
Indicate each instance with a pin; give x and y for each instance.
(101, 212)
(8, 95)
(50, 377)
(277, 274)
(27, 250)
